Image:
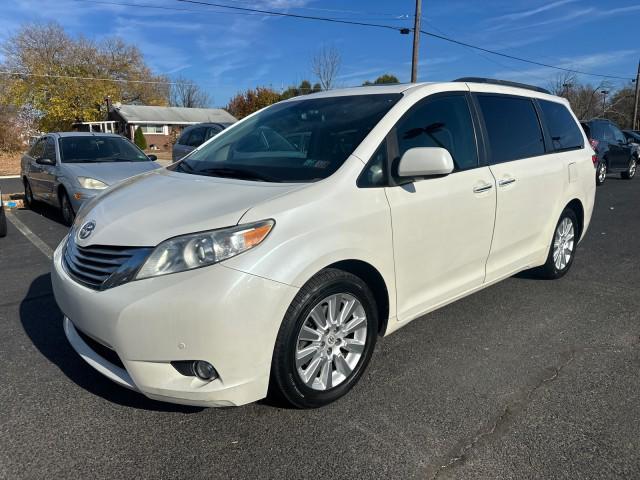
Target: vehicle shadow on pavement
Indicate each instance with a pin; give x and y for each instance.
(47, 211)
(42, 322)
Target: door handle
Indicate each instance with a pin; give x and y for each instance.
(482, 188)
(506, 181)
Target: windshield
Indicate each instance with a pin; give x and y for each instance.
(90, 149)
(295, 141)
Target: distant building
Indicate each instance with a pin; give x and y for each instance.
(160, 125)
(157, 123)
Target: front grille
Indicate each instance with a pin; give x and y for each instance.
(105, 352)
(102, 266)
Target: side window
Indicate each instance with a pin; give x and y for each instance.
(618, 136)
(512, 127)
(375, 173)
(565, 133)
(601, 132)
(38, 149)
(196, 137)
(212, 131)
(441, 122)
(50, 149)
(184, 137)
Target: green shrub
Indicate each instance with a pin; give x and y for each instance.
(139, 140)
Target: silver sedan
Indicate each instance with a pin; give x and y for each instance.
(67, 169)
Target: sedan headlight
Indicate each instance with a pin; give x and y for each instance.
(201, 249)
(91, 183)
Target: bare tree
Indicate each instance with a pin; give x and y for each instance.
(326, 65)
(185, 93)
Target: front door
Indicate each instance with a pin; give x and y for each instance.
(442, 227)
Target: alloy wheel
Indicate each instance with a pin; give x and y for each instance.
(602, 173)
(331, 341)
(632, 167)
(563, 244)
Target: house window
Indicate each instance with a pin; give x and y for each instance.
(156, 129)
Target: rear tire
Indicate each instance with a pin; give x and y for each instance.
(563, 247)
(601, 173)
(631, 169)
(68, 215)
(325, 341)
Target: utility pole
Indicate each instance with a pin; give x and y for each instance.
(604, 100)
(634, 122)
(416, 42)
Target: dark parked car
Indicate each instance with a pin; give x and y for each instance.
(614, 152)
(194, 136)
(633, 137)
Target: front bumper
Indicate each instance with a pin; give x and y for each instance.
(218, 314)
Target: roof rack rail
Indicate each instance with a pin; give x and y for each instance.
(506, 83)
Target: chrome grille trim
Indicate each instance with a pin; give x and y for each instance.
(102, 266)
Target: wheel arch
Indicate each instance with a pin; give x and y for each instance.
(576, 206)
(374, 279)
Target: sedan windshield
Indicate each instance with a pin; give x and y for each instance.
(91, 149)
(295, 141)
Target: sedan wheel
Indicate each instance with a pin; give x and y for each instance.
(28, 194)
(631, 170)
(68, 215)
(601, 174)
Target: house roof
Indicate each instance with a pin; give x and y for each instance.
(172, 115)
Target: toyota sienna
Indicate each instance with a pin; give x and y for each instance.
(272, 257)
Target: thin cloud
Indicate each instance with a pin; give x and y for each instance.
(533, 11)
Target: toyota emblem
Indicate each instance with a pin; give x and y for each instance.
(86, 230)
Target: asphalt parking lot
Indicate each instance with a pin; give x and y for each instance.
(526, 379)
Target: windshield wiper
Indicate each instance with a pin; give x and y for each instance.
(239, 173)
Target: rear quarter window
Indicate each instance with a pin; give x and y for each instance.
(513, 128)
(564, 131)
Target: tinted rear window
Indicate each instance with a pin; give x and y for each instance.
(565, 133)
(512, 127)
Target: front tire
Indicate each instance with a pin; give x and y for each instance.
(68, 215)
(631, 169)
(325, 341)
(3, 222)
(601, 173)
(563, 247)
(28, 194)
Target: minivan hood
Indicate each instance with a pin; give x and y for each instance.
(150, 208)
(109, 172)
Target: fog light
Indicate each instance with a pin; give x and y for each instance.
(204, 370)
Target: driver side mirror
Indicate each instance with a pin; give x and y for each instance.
(152, 157)
(423, 162)
(45, 161)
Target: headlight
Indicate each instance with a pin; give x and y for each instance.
(201, 249)
(91, 183)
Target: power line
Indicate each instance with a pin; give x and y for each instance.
(513, 57)
(189, 10)
(293, 15)
(424, 32)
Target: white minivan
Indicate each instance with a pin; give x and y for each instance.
(272, 257)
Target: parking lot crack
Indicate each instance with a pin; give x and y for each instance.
(461, 451)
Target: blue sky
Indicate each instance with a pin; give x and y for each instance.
(226, 52)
